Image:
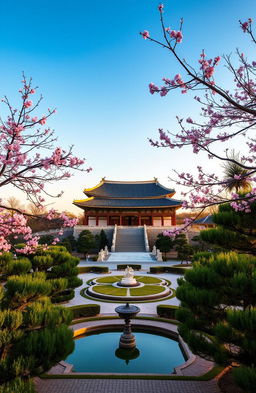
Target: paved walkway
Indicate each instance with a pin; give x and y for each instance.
(131, 257)
(124, 386)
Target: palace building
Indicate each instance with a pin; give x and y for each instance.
(129, 203)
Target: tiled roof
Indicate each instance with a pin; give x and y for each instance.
(127, 203)
(204, 220)
(116, 189)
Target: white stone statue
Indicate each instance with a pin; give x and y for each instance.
(106, 251)
(128, 278)
(154, 250)
(129, 272)
(159, 256)
(101, 256)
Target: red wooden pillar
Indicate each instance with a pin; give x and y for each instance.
(162, 219)
(151, 219)
(85, 220)
(107, 220)
(174, 217)
(97, 221)
(139, 221)
(120, 220)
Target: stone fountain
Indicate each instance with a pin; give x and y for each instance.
(128, 279)
(127, 312)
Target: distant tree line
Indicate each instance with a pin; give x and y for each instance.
(87, 242)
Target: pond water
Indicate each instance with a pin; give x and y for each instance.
(99, 353)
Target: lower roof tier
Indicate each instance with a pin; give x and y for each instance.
(127, 203)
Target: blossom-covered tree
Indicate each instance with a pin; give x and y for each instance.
(29, 161)
(227, 115)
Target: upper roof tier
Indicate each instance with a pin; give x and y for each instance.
(125, 189)
(128, 203)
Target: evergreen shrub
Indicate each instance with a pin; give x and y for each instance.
(64, 296)
(167, 269)
(93, 269)
(166, 311)
(123, 267)
(85, 310)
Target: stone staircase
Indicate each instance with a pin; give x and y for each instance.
(130, 240)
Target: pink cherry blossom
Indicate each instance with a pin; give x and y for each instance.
(225, 115)
(27, 104)
(42, 121)
(24, 167)
(160, 7)
(145, 34)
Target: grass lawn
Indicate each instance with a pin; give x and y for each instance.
(143, 279)
(148, 280)
(109, 279)
(109, 290)
(147, 290)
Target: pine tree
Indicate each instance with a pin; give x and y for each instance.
(218, 310)
(236, 230)
(58, 263)
(34, 333)
(164, 243)
(86, 242)
(101, 240)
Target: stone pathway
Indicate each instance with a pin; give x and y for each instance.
(130, 257)
(124, 386)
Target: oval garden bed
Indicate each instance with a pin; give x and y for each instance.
(107, 288)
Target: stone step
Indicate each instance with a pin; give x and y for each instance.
(130, 239)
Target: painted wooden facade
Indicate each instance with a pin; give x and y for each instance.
(129, 204)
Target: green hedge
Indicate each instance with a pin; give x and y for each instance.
(93, 269)
(167, 269)
(85, 310)
(123, 267)
(166, 311)
(64, 296)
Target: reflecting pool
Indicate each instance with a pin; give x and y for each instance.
(99, 353)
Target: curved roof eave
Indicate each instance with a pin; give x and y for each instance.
(129, 189)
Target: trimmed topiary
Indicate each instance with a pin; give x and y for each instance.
(166, 311)
(85, 310)
(124, 266)
(167, 269)
(93, 269)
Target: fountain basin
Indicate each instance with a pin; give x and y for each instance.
(128, 283)
(154, 354)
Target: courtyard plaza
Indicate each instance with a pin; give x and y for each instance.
(99, 385)
(143, 259)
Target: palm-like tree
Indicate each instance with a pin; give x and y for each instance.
(235, 175)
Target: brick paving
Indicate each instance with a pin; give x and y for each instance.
(125, 386)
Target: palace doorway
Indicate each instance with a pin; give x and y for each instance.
(130, 221)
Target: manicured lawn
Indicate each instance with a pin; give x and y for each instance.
(148, 280)
(109, 279)
(147, 290)
(109, 290)
(143, 279)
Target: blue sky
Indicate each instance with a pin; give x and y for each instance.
(89, 61)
